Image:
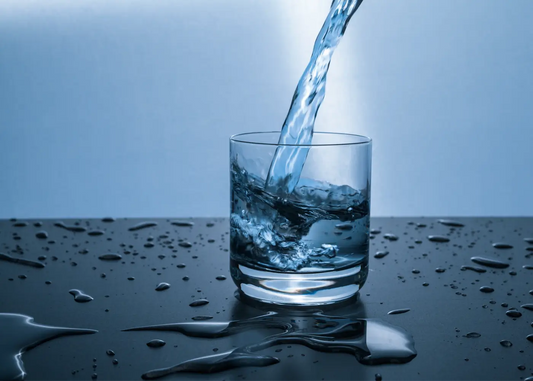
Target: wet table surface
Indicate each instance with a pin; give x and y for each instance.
(465, 324)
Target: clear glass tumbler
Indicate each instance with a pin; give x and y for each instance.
(308, 246)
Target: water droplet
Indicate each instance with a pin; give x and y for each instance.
(529, 240)
(425, 284)
(221, 277)
(415, 271)
(440, 270)
(502, 245)
(185, 244)
(474, 268)
(528, 379)
(79, 296)
(530, 337)
(115, 361)
(183, 223)
(528, 267)
(131, 278)
(489, 262)
(48, 282)
(162, 286)
(375, 231)
(148, 245)
(210, 224)
(513, 313)
(438, 238)
(72, 228)
(181, 266)
(94, 376)
(185, 278)
(108, 219)
(156, 343)
(142, 225)
(521, 367)
(390, 237)
(38, 224)
(377, 377)
(110, 352)
(22, 276)
(528, 306)
(202, 317)
(344, 226)
(399, 311)
(486, 289)
(381, 254)
(472, 335)
(110, 257)
(96, 233)
(20, 224)
(451, 223)
(199, 302)
(506, 343)
(41, 235)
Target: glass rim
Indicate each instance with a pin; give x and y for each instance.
(236, 138)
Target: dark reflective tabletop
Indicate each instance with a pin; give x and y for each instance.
(460, 331)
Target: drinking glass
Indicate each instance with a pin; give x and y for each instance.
(307, 246)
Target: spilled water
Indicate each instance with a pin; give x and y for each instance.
(18, 334)
(370, 341)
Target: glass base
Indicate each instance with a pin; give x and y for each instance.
(299, 289)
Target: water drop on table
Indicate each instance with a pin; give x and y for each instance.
(486, 289)
(472, 335)
(94, 233)
(183, 223)
(399, 311)
(528, 306)
(80, 297)
(110, 352)
(185, 244)
(513, 313)
(489, 262)
(143, 225)
(155, 343)
(41, 235)
(506, 343)
(381, 254)
(199, 302)
(438, 238)
(110, 257)
(390, 237)
(451, 223)
(162, 286)
(502, 245)
(72, 228)
(221, 277)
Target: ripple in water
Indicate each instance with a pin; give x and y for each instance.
(19, 334)
(370, 341)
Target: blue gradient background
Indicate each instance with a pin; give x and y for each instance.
(124, 108)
